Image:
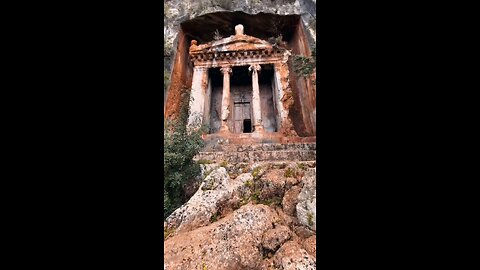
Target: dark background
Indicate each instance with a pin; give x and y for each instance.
(86, 136)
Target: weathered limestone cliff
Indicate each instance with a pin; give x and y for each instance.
(179, 11)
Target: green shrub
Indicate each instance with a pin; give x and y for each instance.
(167, 232)
(224, 164)
(180, 146)
(302, 166)
(304, 66)
(204, 161)
(310, 219)
(214, 217)
(289, 172)
(256, 172)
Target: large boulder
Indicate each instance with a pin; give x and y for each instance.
(272, 184)
(307, 199)
(214, 193)
(234, 242)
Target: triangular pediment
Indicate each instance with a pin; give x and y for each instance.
(231, 44)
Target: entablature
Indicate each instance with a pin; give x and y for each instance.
(237, 50)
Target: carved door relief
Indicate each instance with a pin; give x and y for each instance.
(242, 119)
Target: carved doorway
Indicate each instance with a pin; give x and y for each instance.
(242, 112)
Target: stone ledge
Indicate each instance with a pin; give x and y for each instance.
(260, 147)
(254, 156)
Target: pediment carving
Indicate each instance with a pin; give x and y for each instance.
(230, 44)
(236, 50)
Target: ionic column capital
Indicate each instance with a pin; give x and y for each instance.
(197, 68)
(255, 67)
(226, 70)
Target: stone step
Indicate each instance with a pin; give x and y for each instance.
(255, 156)
(260, 147)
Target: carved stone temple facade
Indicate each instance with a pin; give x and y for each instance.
(240, 86)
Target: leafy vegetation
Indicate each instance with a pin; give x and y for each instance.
(305, 66)
(224, 164)
(275, 41)
(167, 232)
(310, 218)
(180, 146)
(214, 217)
(302, 166)
(289, 172)
(256, 172)
(204, 161)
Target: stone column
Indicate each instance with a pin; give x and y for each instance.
(197, 97)
(226, 70)
(257, 111)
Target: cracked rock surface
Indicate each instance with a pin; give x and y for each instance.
(256, 233)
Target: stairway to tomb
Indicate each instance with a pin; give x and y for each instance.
(258, 152)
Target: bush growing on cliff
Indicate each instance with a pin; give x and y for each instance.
(305, 66)
(180, 146)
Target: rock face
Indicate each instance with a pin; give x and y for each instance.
(260, 231)
(307, 200)
(178, 11)
(234, 242)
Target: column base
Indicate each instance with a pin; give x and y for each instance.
(224, 129)
(258, 128)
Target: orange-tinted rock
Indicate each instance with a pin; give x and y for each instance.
(268, 264)
(272, 184)
(230, 243)
(303, 231)
(310, 245)
(291, 256)
(274, 238)
(290, 200)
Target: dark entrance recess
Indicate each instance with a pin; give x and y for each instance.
(247, 126)
(261, 25)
